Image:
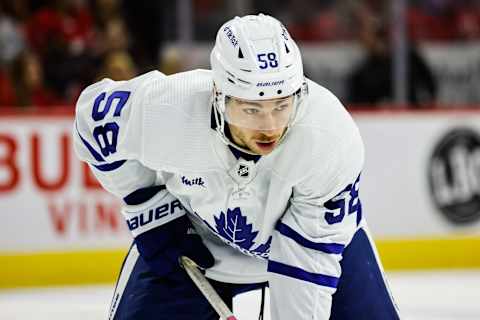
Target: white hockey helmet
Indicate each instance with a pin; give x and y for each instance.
(254, 58)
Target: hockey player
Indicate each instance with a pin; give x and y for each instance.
(249, 169)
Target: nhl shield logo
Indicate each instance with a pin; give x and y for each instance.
(243, 171)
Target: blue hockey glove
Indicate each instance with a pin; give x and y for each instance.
(163, 233)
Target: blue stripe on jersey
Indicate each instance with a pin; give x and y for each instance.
(335, 248)
(297, 273)
(359, 212)
(93, 152)
(110, 166)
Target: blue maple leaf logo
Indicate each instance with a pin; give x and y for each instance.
(233, 227)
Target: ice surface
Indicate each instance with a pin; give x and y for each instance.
(446, 295)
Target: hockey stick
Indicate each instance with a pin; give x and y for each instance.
(206, 288)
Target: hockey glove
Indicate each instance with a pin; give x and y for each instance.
(163, 233)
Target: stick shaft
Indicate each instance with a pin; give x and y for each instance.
(207, 290)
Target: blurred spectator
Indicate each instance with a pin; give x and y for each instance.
(171, 61)
(111, 31)
(209, 16)
(7, 93)
(371, 81)
(145, 20)
(75, 41)
(19, 10)
(115, 36)
(67, 22)
(28, 84)
(11, 38)
(431, 20)
(444, 20)
(467, 18)
(61, 33)
(105, 11)
(326, 25)
(296, 18)
(118, 65)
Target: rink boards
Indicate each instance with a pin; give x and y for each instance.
(420, 190)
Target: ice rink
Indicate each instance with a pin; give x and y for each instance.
(452, 295)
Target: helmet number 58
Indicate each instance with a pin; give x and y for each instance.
(267, 59)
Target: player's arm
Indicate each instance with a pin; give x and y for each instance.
(304, 264)
(107, 132)
(108, 136)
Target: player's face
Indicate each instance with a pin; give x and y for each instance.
(258, 125)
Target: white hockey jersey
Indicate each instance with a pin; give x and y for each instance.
(285, 218)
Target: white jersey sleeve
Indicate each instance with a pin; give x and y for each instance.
(107, 133)
(324, 213)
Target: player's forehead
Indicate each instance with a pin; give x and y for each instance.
(275, 101)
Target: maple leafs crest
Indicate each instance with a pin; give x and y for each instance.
(233, 227)
(234, 230)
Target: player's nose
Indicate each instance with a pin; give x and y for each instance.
(268, 123)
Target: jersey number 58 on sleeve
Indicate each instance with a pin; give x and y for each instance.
(106, 135)
(338, 204)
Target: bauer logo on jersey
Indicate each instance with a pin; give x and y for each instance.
(193, 182)
(154, 215)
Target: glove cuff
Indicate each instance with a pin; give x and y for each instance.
(158, 210)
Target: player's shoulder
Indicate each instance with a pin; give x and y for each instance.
(152, 78)
(106, 84)
(120, 119)
(323, 109)
(98, 97)
(147, 91)
(177, 88)
(323, 135)
(324, 122)
(153, 84)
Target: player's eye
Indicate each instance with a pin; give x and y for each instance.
(282, 107)
(251, 111)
